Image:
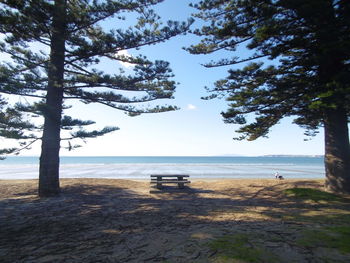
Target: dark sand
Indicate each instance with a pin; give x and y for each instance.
(101, 220)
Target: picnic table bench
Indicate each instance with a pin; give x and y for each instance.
(160, 179)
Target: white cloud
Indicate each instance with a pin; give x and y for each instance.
(126, 54)
(191, 107)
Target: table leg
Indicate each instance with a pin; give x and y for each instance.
(181, 185)
(159, 184)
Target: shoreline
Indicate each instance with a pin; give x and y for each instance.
(135, 168)
(198, 179)
(143, 186)
(193, 180)
(143, 171)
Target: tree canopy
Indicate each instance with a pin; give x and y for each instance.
(298, 65)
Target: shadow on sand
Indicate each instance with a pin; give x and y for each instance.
(109, 223)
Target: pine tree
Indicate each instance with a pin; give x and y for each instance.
(72, 43)
(298, 65)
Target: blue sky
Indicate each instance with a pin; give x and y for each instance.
(197, 128)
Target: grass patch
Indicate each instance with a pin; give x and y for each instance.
(313, 195)
(321, 215)
(337, 237)
(237, 248)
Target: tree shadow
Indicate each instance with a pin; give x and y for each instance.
(108, 223)
(176, 190)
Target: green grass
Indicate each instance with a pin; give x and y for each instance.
(238, 248)
(316, 207)
(337, 237)
(313, 195)
(334, 217)
(330, 209)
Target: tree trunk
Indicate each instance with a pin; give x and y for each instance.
(337, 151)
(49, 159)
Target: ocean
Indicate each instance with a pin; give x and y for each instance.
(141, 167)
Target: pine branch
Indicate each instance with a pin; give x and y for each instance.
(26, 147)
(234, 61)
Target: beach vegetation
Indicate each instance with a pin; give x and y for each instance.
(335, 237)
(54, 51)
(239, 248)
(325, 208)
(295, 64)
(313, 195)
(319, 215)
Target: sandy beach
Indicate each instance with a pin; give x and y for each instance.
(231, 220)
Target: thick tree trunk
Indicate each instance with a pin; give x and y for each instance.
(337, 151)
(49, 159)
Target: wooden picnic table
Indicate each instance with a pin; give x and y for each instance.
(160, 179)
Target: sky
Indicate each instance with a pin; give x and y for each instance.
(197, 129)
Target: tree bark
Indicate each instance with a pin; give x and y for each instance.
(337, 151)
(49, 159)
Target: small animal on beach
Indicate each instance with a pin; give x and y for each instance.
(278, 176)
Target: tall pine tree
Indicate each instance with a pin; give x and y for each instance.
(71, 40)
(308, 44)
